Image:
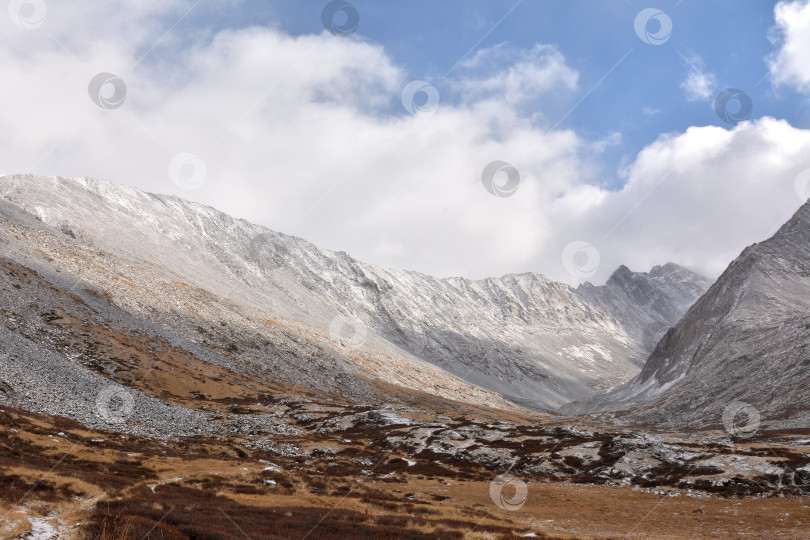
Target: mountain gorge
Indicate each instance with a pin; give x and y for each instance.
(183, 266)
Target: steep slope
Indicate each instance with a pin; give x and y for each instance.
(746, 340)
(523, 336)
(648, 303)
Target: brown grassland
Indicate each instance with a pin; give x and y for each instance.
(100, 485)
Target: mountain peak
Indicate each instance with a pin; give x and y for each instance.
(622, 273)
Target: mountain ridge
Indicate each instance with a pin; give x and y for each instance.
(536, 341)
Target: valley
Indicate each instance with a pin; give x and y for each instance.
(168, 371)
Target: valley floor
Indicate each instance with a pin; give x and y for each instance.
(58, 477)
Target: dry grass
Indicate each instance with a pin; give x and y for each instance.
(215, 493)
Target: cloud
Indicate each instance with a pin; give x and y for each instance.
(790, 64)
(515, 76)
(612, 139)
(306, 134)
(698, 85)
(298, 133)
(698, 198)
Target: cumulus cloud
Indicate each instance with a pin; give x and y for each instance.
(298, 133)
(698, 198)
(306, 134)
(698, 85)
(790, 64)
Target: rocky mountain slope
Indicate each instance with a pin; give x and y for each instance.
(741, 354)
(326, 320)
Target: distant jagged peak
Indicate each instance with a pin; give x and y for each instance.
(666, 270)
(622, 274)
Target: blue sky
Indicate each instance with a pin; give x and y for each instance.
(614, 151)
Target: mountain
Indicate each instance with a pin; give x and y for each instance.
(745, 342)
(167, 370)
(258, 301)
(648, 303)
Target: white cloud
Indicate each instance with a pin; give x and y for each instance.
(698, 85)
(790, 65)
(515, 76)
(298, 133)
(612, 139)
(700, 197)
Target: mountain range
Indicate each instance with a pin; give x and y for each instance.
(167, 370)
(664, 347)
(183, 267)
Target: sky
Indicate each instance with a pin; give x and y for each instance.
(456, 138)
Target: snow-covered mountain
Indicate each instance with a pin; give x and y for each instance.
(743, 347)
(180, 264)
